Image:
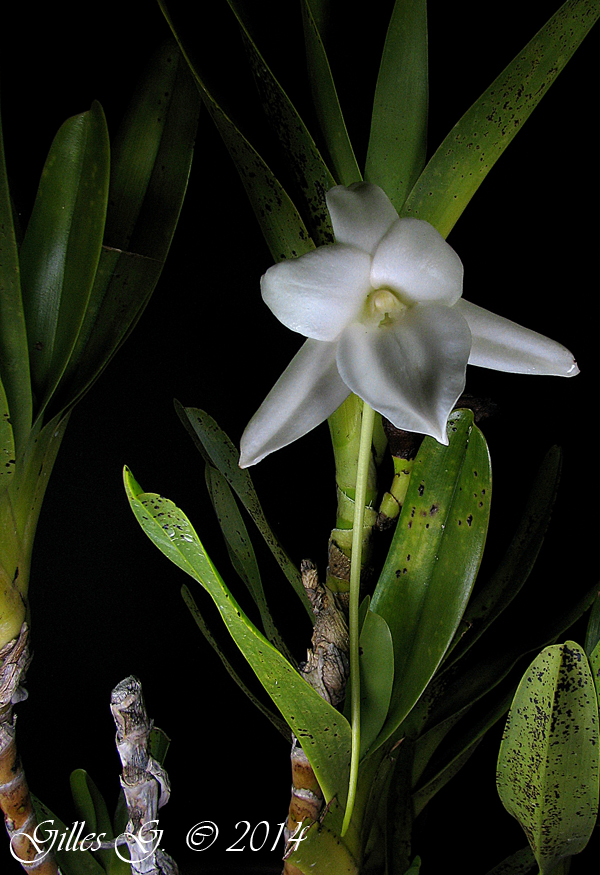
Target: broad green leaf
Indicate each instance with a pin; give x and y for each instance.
(218, 449)
(322, 731)
(398, 138)
(7, 443)
(70, 862)
(158, 744)
(151, 160)
(548, 765)
(241, 551)
(282, 226)
(468, 153)
(61, 248)
(311, 175)
(434, 557)
(376, 677)
(193, 608)
(325, 99)
(14, 354)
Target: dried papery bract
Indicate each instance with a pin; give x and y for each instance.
(15, 800)
(144, 781)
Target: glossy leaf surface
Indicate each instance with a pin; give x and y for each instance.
(150, 164)
(14, 353)
(323, 732)
(398, 137)
(434, 557)
(548, 764)
(61, 248)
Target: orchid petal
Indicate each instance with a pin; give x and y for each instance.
(320, 292)
(308, 391)
(414, 260)
(503, 345)
(411, 372)
(360, 214)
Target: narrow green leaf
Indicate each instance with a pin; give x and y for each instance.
(548, 764)
(519, 863)
(499, 590)
(468, 153)
(7, 443)
(217, 448)
(398, 138)
(310, 172)
(434, 557)
(151, 161)
(592, 632)
(241, 551)
(322, 731)
(61, 248)
(14, 354)
(193, 608)
(453, 743)
(282, 226)
(325, 99)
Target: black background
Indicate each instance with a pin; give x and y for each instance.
(104, 602)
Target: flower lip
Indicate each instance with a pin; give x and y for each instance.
(384, 307)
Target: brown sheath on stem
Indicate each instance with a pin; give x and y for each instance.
(19, 815)
(326, 669)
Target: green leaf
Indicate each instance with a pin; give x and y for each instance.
(325, 99)
(548, 764)
(592, 632)
(61, 248)
(193, 608)
(321, 730)
(311, 175)
(468, 153)
(158, 744)
(70, 862)
(241, 551)
(519, 863)
(376, 677)
(91, 807)
(398, 138)
(434, 558)
(218, 449)
(7, 443)
(151, 161)
(14, 354)
(282, 226)
(495, 594)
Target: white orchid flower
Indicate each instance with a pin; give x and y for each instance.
(384, 317)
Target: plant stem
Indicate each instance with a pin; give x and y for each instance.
(15, 800)
(364, 459)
